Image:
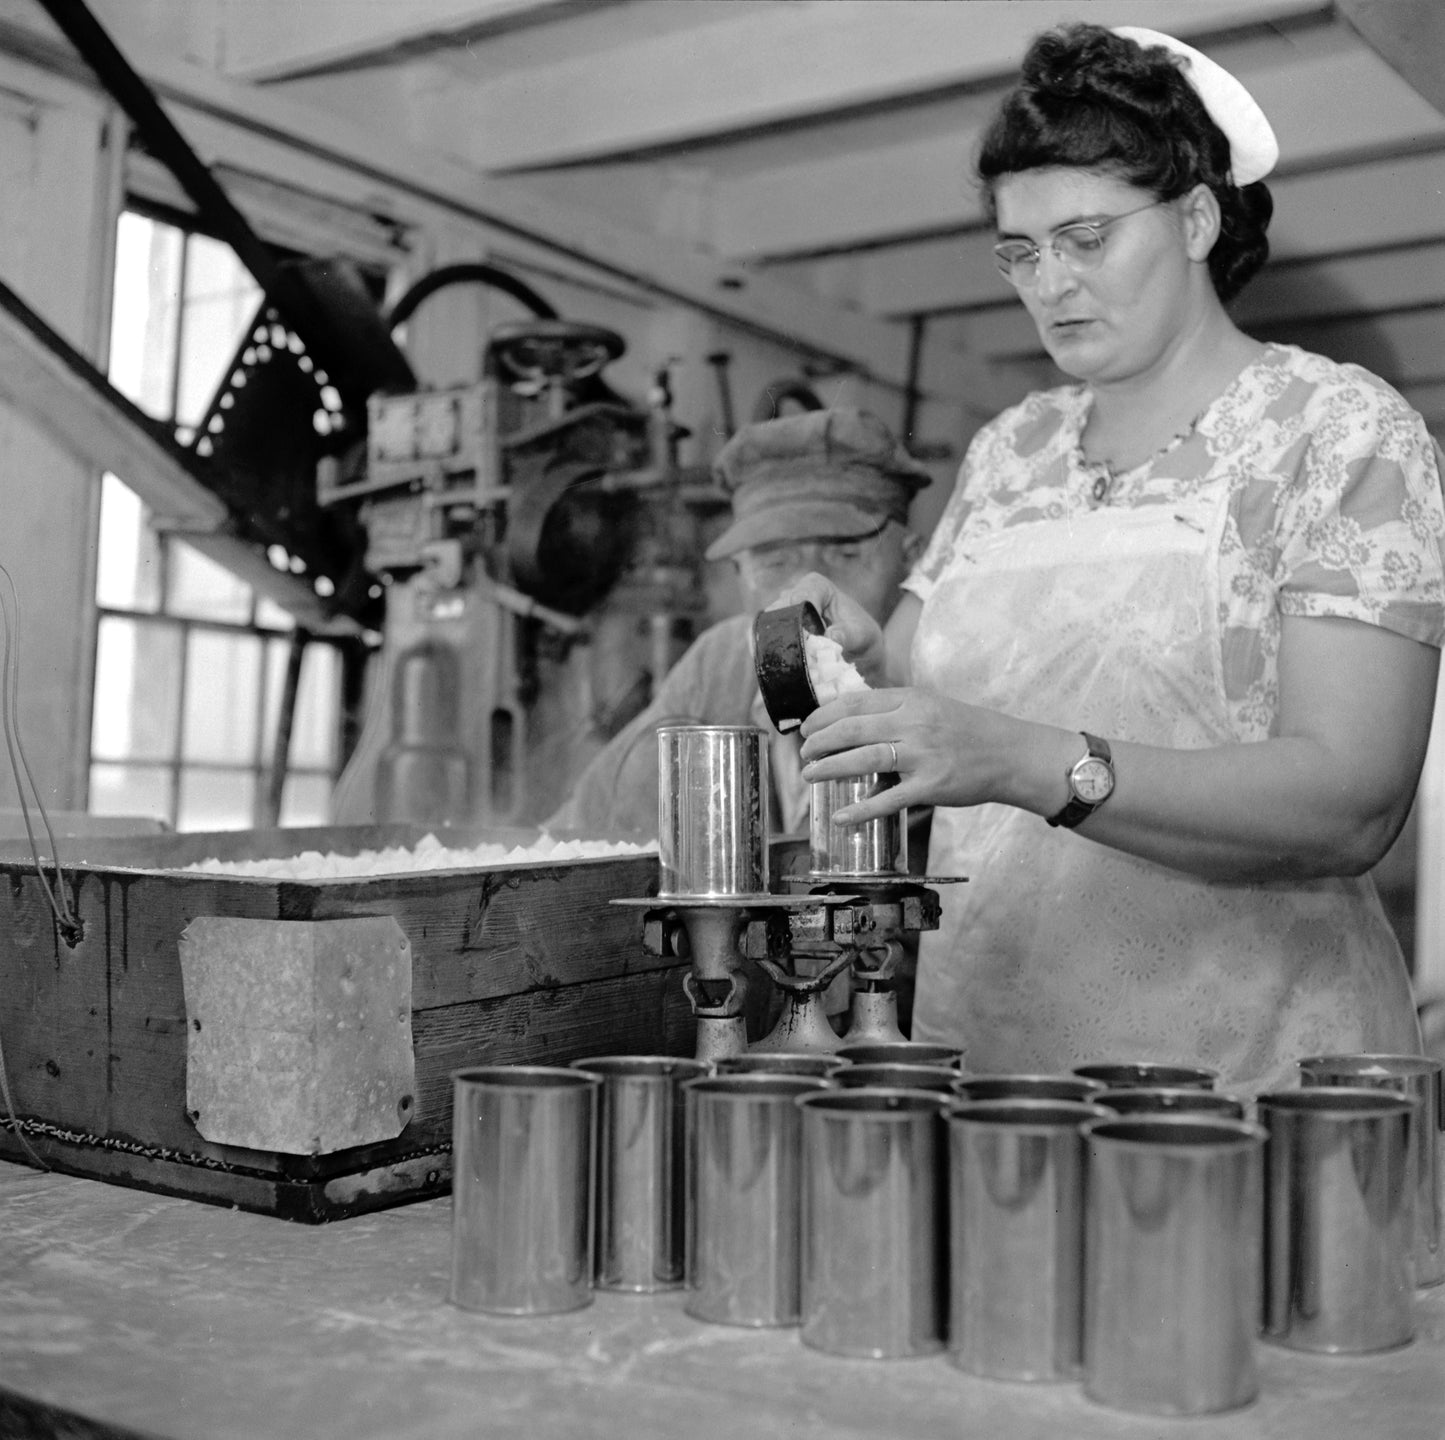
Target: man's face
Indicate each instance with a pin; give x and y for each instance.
(868, 567)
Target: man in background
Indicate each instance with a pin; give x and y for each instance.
(824, 490)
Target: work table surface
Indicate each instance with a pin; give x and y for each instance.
(161, 1317)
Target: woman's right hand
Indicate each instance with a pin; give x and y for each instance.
(845, 621)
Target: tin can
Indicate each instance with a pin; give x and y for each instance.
(899, 1052)
(1129, 1074)
(874, 1208)
(523, 1139)
(1028, 1087)
(1172, 1263)
(638, 1189)
(1338, 1211)
(744, 1198)
(1167, 1100)
(882, 1076)
(1016, 1237)
(712, 810)
(876, 847)
(781, 1062)
(1423, 1080)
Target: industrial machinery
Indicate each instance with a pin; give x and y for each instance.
(527, 545)
(541, 552)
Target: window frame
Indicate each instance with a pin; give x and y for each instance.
(268, 632)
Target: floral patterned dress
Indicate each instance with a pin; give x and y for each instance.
(1146, 606)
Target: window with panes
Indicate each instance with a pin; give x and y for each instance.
(191, 662)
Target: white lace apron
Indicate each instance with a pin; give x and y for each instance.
(1060, 950)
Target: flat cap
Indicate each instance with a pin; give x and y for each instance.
(819, 474)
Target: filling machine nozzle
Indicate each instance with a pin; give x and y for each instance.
(851, 911)
(715, 907)
(867, 862)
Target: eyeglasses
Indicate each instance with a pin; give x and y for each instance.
(1080, 247)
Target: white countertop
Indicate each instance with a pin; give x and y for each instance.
(170, 1318)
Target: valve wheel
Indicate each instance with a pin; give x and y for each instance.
(538, 353)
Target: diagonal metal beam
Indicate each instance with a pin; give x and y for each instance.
(368, 366)
(55, 387)
(63, 395)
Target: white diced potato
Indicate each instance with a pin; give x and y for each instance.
(831, 675)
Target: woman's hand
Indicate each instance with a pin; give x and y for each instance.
(944, 752)
(845, 622)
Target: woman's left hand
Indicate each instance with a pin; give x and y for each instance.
(943, 751)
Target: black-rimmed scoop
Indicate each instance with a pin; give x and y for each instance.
(780, 658)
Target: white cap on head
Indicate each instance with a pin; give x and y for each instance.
(1253, 149)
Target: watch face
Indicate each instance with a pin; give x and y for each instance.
(1093, 780)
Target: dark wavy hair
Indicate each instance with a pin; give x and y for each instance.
(1091, 100)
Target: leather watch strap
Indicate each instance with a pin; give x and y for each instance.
(1078, 808)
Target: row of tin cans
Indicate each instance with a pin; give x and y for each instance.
(1031, 1228)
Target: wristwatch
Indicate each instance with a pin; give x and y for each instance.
(1091, 782)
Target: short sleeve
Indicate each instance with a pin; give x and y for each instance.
(1361, 531)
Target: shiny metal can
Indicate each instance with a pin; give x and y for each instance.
(1028, 1087)
(1338, 1212)
(712, 810)
(874, 1222)
(1130, 1074)
(880, 1075)
(780, 1062)
(1169, 1100)
(523, 1138)
(638, 1187)
(1016, 1237)
(899, 1052)
(744, 1198)
(876, 847)
(1422, 1078)
(1172, 1263)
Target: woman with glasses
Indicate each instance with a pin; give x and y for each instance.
(1169, 660)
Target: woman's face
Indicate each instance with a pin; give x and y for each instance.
(1119, 319)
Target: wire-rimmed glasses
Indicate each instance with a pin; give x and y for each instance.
(1079, 247)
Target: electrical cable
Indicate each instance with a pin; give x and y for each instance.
(70, 926)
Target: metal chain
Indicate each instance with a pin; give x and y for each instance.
(47, 1131)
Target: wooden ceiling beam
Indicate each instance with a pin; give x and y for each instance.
(1005, 330)
(1409, 35)
(226, 121)
(926, 185)
(1362, 207)
(271, 40)
(1392, 280)
(770, 66)
(1403, 349)
(863, 198)
(1428, 397)
(1316, 293)
(1389, 202)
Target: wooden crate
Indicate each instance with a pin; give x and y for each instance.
(523, 963)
